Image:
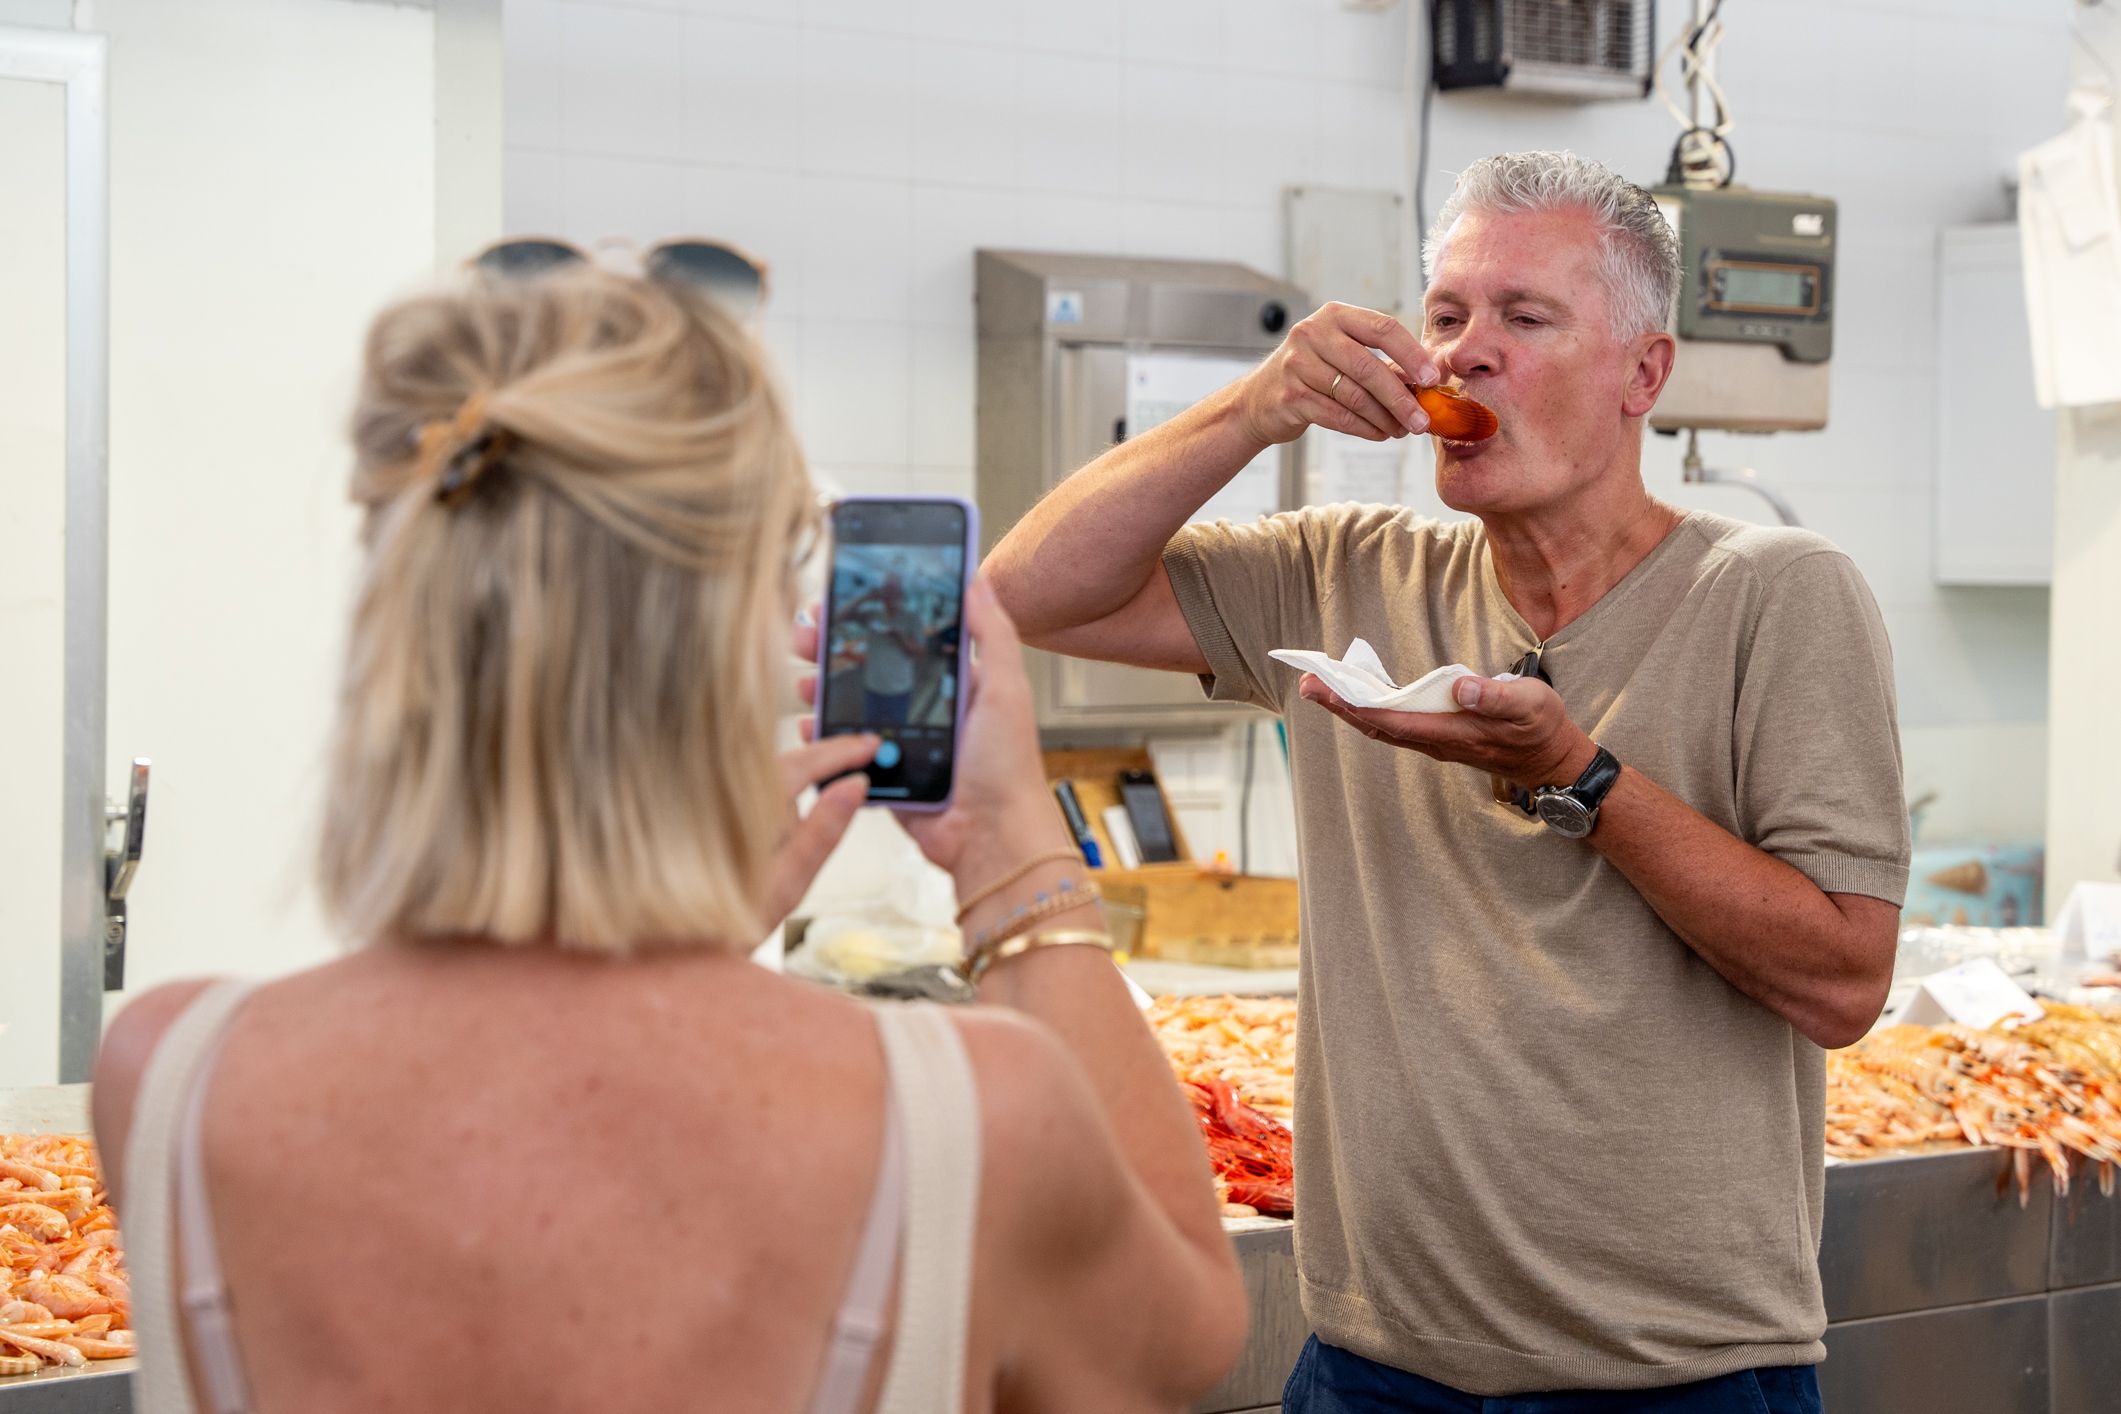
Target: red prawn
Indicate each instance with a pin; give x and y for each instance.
(1253, 1156)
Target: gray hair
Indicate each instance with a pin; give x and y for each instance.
(1641, 253)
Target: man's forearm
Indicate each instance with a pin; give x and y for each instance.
(1821, 961)
(1092, 543)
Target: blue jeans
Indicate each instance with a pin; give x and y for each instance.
(886, 709)
(1329, 1380)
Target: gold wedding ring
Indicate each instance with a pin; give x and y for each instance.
(1334, 387)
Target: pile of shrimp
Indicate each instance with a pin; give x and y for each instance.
(1252, 1155)
(2050, 1088)
(1247, 1042)
(64, 1301)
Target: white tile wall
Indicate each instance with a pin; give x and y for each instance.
(1178, 31)
(948, 222)
(736, 70)
(603, 195)
(1272, 37)
(857, 407)
(1073, 122)
(866, 147)
(532, 41)
(1079, 27)
(997, 23)
(857, 245)
(856, 112)
(1176, 147)
(967, 114)
(874, 16)
(622, 81)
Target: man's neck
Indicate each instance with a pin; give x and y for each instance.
(1556, 563)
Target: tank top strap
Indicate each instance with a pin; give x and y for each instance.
(937, 1101)
(166, 1213)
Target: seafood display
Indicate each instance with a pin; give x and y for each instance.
(1253, 1157)
(1248, 1043)
(65, 1300)
(2049, 1089)
(1455, 417)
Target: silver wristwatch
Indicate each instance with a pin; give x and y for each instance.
(1572, 811)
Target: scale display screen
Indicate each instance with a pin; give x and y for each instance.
(1768, 289)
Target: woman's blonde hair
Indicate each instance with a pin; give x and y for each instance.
(558, 715)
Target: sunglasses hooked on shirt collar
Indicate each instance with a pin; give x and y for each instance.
(1505, 792)
(731, 278)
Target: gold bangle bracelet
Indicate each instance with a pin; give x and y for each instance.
(1068, 896)
(975, 967)
(1051, 856)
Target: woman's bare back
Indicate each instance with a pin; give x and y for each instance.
(541, 1181)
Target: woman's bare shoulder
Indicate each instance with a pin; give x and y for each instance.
(128, 1044)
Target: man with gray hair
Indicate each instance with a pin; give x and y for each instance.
(1570, 952)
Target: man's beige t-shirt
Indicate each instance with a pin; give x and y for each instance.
(1540, 1143)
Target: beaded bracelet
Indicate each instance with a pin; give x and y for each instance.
(1051, 856)
(1026, 916)
(975, 967)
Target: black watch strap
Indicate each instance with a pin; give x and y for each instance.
(1597, 779)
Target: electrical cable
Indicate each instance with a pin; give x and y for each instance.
(1423, 73)
(1702, 155)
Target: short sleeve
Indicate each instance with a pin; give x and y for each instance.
(1248, 589)
(1816, 737)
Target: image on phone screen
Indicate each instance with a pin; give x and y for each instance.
(893, 628)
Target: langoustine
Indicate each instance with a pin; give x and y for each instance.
(2048, 1091)
(1248, 1042)
(63, 1294)
(1253, 1156)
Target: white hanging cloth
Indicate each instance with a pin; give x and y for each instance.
(2069, 221)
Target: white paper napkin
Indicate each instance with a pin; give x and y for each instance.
(1361, 680)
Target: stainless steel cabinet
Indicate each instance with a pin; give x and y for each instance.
(1078, 352)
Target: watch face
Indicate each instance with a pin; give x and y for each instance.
(1565, 815)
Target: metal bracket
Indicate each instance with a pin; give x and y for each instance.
(119, 866)
(1696, 471)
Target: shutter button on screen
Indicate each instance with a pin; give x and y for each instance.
(887, 755)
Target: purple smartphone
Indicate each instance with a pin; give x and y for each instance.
(891, 653)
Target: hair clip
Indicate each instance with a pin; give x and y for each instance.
(460, 450)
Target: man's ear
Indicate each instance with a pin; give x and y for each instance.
(1648, 373)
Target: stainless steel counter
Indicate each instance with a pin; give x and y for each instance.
(1942, 1294)
(106, 1387)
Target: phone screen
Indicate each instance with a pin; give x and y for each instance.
(894, 614)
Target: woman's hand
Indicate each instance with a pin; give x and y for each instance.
(1000, 811)
(812, 838)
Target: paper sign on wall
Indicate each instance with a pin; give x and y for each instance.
(1976, 993)
(1161, 386)
(1350, 469)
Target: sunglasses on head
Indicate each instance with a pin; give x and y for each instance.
(1505, 793)
(730, 277)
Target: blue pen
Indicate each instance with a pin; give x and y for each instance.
(1080, 827)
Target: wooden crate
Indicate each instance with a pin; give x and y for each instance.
(1190, 914)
